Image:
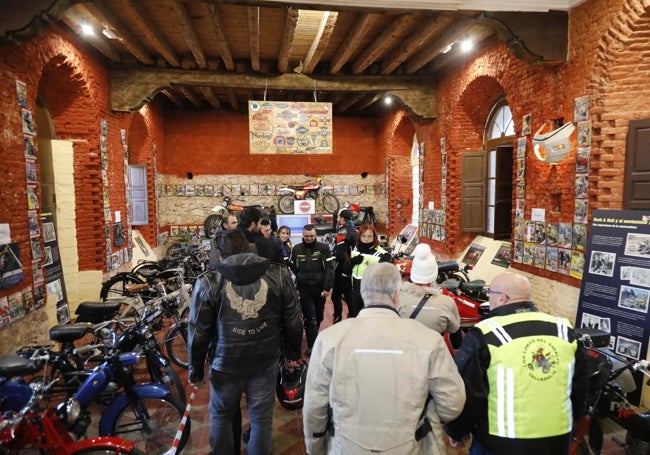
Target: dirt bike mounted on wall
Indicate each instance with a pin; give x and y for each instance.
(228, 205)
(312, 190)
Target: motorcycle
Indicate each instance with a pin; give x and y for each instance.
(212, 222)
(25, 424)
(314, 190)
(611, 378)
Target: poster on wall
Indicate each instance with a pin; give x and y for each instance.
(286, 127)
(615, 291)
(54, 282)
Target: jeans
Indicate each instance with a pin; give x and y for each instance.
(478, 449)
(225, 395)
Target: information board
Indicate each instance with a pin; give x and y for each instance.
(615, 291)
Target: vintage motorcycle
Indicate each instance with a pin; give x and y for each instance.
(611, 379)
(228, 205)
(314, 190)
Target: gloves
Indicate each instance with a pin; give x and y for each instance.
(196, 376)
(356, 260)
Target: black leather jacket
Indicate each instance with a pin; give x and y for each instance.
(244, 310)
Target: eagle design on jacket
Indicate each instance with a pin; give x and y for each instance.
(247, 308)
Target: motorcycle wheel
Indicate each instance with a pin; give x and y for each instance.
(99, 449)
(176, 344)
(636, 446)
(211, 224)
(330, 203)
(116, 286)
(163, 415)
(166, 375)
(285, 203)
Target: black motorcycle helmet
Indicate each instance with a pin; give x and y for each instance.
(290, 387)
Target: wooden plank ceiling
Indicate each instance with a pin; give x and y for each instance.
(200, 55)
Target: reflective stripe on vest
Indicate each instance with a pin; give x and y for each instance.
(531, 368)
(359, 269)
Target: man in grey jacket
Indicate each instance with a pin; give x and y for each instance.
(245, 310)
(370, 377)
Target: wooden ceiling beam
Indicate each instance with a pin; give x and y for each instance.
(379, 46)
(232, 98)
(209, 95)
(189, 33)
(253, 13)
(288, 36)
(108, 20)
(189, 94)
(369, 101)
(345, 105)
(97, 41)
(173, 97)
(132, 87)
(349, 45)
(141, 19)
(222, 41)
(422, 34)
(321, 40)
(439, 46)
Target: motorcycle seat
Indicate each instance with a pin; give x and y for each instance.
(448, 267)
(70, 332)
(472, 286)
(97, 311)
(15, 365)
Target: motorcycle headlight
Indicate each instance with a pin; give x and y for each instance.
(72, 410)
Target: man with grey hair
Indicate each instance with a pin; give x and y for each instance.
(371, 377)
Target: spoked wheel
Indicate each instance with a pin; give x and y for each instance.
(176, 344)
(211, 224)
(153, 427)
(330, 203)
(116, 285)
(285, 203)
(175, 249)
(166, 375)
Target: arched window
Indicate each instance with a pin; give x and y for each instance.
(498, 144)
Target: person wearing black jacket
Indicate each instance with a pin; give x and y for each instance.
(346, 239)
(525, 377)
(312, 263)
(241, 313)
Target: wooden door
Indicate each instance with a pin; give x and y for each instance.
(636, 190)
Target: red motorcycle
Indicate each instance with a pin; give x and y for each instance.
(313, 190)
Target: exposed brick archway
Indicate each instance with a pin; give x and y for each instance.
(619, 93)
(399, 140)
(66, 95)
(467, 124)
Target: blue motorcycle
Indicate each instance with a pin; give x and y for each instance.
(147, 414)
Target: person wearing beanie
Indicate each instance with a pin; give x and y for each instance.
(346, 238)
(438, 312)
(367, 251)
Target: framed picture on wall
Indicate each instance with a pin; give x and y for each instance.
(119, 236)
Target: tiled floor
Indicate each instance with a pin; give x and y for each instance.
(287, 426)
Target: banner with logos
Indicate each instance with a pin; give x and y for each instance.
(289, 127)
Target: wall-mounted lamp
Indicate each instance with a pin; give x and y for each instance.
(553, 146)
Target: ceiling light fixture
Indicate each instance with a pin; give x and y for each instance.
(446, 49)
(388, 100)
(466, 45)
(108, 33)
(87, 29)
